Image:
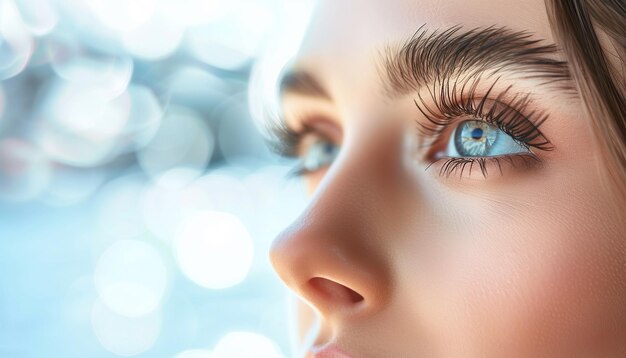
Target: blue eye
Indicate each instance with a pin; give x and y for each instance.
(318, 155)
(476, 138)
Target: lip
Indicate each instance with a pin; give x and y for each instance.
(330, 351)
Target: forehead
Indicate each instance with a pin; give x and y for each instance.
(345, 37)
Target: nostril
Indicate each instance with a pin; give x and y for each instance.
(334, 291)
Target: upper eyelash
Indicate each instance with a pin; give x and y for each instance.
(512, 116)
(285, 141)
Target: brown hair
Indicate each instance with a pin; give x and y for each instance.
(592, 33)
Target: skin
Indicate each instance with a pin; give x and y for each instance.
(530, 263)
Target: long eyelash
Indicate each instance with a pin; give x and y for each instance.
(285, 141)
(450, 104)
(511, 116)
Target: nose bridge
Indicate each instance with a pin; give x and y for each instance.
(336, 254)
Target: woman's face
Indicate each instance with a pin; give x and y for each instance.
(458, 206)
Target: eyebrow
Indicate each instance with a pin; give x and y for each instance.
(437, 56)
(302, 83)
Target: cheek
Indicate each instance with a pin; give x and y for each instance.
(534, 276)
(551, 286)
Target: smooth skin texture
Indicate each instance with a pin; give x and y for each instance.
(399, 261)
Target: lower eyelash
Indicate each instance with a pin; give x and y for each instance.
(450, 166)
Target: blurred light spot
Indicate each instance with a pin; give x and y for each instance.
(222, 191)
(80, 22)
(80, 127)
(182, 141)
(123, 15)
(71, 149)
(214, 249)
(168, 201)
(195, 353)
(124, 336)
(106, 75)
(2, 103)
(119, 215)
(196, 87)
(238, 136)
(84, 129)
(82, 110)
(178, 193)
(71, 186)
(233, 40)
(144, 118)
(194, 12)
(130, 278)
(245, 345)
(24, 170)
(39, 16)
(176, 179)
(153, 40)
(16, 43)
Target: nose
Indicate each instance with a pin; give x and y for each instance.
(321, 262)
(337, 255)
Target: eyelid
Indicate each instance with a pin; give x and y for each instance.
(324, 127)
(510, 112)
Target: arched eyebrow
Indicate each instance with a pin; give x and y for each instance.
(441, 55)
(438, 56)
(302, 83)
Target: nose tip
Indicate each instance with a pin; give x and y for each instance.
(329, 272)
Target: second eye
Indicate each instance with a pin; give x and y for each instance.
(319, 154)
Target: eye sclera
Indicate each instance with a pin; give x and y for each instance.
(477, 138)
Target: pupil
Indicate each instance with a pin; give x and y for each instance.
(477, 133)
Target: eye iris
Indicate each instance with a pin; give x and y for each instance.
(329, 148)
(475, 138)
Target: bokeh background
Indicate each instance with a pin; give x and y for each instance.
(137, 198)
